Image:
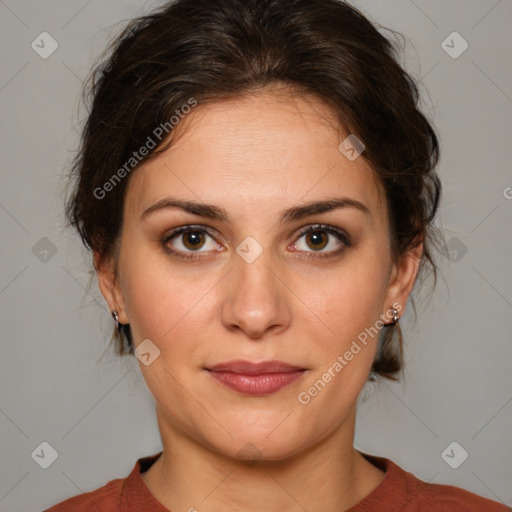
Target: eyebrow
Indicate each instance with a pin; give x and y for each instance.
(292, 214)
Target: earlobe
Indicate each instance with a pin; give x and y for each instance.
(109, 285)
(403, 277)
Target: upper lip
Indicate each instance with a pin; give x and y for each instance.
(247, 367)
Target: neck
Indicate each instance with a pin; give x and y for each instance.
(331, 475)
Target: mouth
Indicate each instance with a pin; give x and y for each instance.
(255, 379)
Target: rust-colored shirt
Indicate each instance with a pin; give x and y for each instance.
(399, 491)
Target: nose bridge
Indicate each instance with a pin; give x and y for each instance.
(255, 300)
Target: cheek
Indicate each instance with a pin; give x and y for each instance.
(342, 335)
(342, 340)
(167, 308)
(346, 300)
(164, 302)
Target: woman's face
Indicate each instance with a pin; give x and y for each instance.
(245, 282)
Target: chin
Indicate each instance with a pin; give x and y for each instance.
(252, 452)
(265, 445)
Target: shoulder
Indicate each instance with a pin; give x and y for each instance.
(127, 493)
(401, 490)
(104, 498)
(439, 497)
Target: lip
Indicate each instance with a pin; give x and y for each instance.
(249, 378)
(250, 368)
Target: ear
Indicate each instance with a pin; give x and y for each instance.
(402, 278)
(109, 285)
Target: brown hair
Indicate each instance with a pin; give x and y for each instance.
(208, 51)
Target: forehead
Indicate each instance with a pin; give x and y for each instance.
(266, 150)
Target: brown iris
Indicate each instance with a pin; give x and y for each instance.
(318, 239)
(193, 239)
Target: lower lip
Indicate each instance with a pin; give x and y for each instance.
(261, 384)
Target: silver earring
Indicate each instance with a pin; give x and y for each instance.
(116, 318)
(395, 315)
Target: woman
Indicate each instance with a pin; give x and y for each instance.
(257, 187)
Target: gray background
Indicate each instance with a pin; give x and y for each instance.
(94, 409)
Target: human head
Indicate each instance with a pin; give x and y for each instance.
(195, 52)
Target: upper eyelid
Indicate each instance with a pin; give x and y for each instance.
(324, 227)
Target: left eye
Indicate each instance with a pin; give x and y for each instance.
(318, 238)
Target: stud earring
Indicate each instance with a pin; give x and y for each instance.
(116, 318)
(395, 317)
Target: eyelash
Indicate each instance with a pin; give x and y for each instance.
(339, 234)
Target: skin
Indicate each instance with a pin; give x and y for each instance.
(255, 157)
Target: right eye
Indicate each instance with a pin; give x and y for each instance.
(189, 239)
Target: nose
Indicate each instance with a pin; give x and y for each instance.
(255, 298)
